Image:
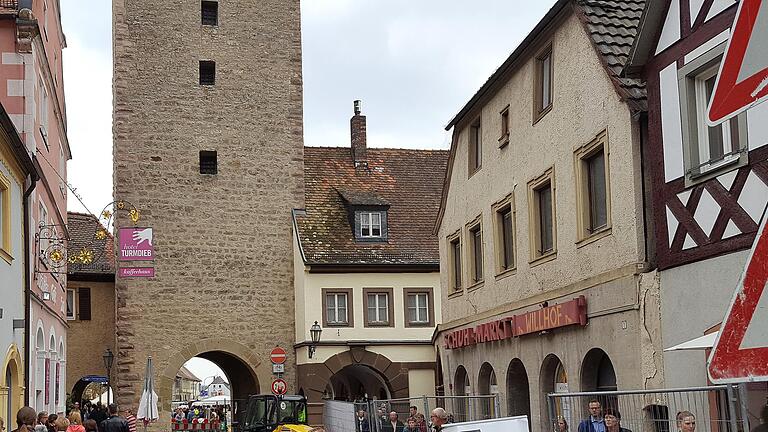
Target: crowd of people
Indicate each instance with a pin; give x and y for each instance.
(387, 420)
(215, 416)
(98, 419)
(609, 420)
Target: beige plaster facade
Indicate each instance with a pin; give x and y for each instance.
(607, 268)
(351, 361)
(88, 339)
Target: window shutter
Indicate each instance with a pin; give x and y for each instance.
(84, 304)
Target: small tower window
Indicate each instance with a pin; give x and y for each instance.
(209, 13)
(207, 72)
(208, 162)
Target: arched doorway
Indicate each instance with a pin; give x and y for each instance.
(554, 379)
(461, 387)
(12, 383)
(236, 361)
(359, 382)
(486, 384)
(39, 370)
(92, 389)
(518, 391)
(597, 374)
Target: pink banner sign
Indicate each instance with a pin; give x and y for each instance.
(137, 272)
(136, 244)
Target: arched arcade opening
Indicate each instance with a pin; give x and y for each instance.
(554, 379)
(518, 390)
(598, 374)
(486, 383)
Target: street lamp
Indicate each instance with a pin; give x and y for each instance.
(108, 357)
(314, 332)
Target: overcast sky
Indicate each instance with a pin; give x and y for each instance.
(412, 63)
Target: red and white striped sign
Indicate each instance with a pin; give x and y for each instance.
(277, 355)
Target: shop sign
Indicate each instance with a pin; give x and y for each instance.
(561, 315)
(136, 244)
(136, 272)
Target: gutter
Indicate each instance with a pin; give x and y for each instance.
(27, 289)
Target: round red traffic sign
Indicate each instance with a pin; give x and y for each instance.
(277, 355)
(279, 387)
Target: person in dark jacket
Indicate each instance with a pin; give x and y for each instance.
(393, 424)
(114, 423)
(595, 421)
(361, 422)
(612, 419)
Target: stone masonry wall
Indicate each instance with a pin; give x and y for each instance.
(223, 242)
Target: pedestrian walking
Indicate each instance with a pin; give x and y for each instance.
(114, 423)
(411, 427)
(612, 418)
(75, 422)
(595, 422)
(686, 421)
(61, 424)
(50, 423)
(25, 420)
(562, 424)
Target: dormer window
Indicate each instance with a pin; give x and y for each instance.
(370, 224)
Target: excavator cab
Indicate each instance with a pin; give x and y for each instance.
(269, 413)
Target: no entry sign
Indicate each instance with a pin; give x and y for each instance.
(743, 78)
(279, 387)
(277, 356)
(741, 349)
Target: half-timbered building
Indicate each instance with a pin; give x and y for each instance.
(709, 185)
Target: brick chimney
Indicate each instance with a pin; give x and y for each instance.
(359, 138)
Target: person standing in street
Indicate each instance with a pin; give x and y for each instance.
(25, 420)
(114, 423)
(438, 418)
(612, 419)
(686, 421)
(131, 419)
(393, 424)
(361, 422)
(595, 422)
(75, 422)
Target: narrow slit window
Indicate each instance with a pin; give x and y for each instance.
(207, 72)
(208, 162)
(209, 13)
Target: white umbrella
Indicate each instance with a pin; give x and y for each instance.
(148, 402)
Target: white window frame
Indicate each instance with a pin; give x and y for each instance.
(693, 110)
(378, 307)
(702, 103)
(370, 221)
(73, 315)
(417, 308)
(335, 308)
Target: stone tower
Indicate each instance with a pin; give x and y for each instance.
(208, 146)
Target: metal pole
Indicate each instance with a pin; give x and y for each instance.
(497, 402)
(731, 408)
(427, 411)
(743, 403)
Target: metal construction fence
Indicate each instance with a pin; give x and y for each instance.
(716, 408)
(459, 408)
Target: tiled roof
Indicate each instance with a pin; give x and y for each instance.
(186, 374)
(8, 6)
(82, 230)
(613, 27)
(409, 181)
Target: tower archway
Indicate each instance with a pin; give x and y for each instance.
(236, 360)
